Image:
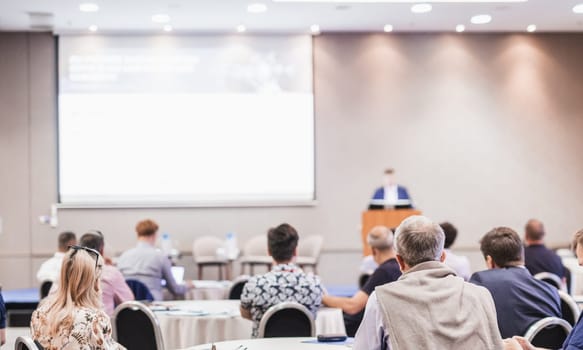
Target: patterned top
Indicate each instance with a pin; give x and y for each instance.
(90, 330)
(285, 282)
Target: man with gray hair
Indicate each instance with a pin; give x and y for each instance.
(380, 240)
(429, 307)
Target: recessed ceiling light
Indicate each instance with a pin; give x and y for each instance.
(421, 8)
(481, 19)
(93, 28)
(315, 29)
(161, 18)
(241, 28)
(256, 8)
(578, 8)
(460, 28)
(167, 28)
(88, 7)
(388, 28)
(531, 28)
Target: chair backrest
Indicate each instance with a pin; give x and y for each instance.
(550, 278)
(45, 288)
(206, 246)
(310, 246)
(237, 287)
(569, 308)
(548, 333)
(136, 327)
(141, 292)
(288, 319)
(26, 343)
(256, 246)
(362, 279)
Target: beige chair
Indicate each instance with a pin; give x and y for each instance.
(26, 343)
(204, 253)
(569, 308)
(255, 254)
(550, 278)
(309, 251)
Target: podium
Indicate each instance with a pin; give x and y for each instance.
(390, 218)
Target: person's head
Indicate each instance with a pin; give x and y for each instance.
(417, 240)
(380, 240)
(577, 246)
(282, 242)
(389, 177)
(534, 231)
(501, 248)
(146, 230)
(93, 240)
(450, 232)
(66, 239)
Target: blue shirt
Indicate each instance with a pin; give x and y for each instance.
(575, 339)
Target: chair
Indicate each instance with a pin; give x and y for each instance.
(45, 288)
(26, 343)
(362, 279)
(288, 319)
(237, 287)
(204, 253)
(141, 292)
(309, 251)
(255, 254)
(136, 327)
(548, 333)
(569, 308)
(550, 278)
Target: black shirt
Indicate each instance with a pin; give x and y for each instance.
(388, 271)
(538, 258)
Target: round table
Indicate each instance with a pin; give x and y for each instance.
(276, 343)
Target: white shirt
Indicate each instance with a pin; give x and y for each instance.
(50, 270)
(460, 264)
(391, 194)
(371, 334)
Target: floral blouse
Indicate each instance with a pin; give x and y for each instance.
(91, 330)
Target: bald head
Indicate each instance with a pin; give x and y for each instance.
(534, 230)
(381, 238)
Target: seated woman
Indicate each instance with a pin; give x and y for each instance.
(72, 317)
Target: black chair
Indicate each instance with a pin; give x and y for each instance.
(141, 292)
(136, 327)
(569, 308)
(548, 333)
(288, 319)
(45, 288)
(550, 278)
(26, 343)
(237, 287)
(362, 279)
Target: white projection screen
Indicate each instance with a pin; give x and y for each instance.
(187, 121)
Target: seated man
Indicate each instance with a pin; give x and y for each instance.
(114, 289)
(149, 265)
(429, 307)
(537, 257)
(520, 299)
(460, 264)
(285, 282)
(50, 270)
(380, 239)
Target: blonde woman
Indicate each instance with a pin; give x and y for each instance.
(72, 317)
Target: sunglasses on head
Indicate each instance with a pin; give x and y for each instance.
(88, 250)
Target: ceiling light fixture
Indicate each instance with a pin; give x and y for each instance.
(388, 28)
(256, 8)
(421, 8)
(167, 28)
(241, 28)
(460, 28)
(481, 19)
(578, 8)
(161, 18)
(531, 28)
(88, 7)
(315, 29)
(93, 28)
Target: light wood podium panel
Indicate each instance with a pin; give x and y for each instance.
(389, 218)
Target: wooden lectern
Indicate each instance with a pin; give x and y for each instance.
(390, 218)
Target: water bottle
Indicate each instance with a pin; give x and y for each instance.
(166, 244)
(231, 247)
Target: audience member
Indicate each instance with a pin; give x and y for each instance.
(429, 307)
(51, 269)
(72, 318)
(285, 282)
(2, 321)
(460, 264)
(575, 339)
(520, 299)
(537, 257)
(380, 239)
(114, 289)
(149, 265)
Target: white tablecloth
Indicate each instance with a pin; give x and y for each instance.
(195, 322)
(275, 344)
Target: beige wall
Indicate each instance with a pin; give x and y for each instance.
(483, 129)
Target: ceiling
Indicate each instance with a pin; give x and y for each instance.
(223, 16)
